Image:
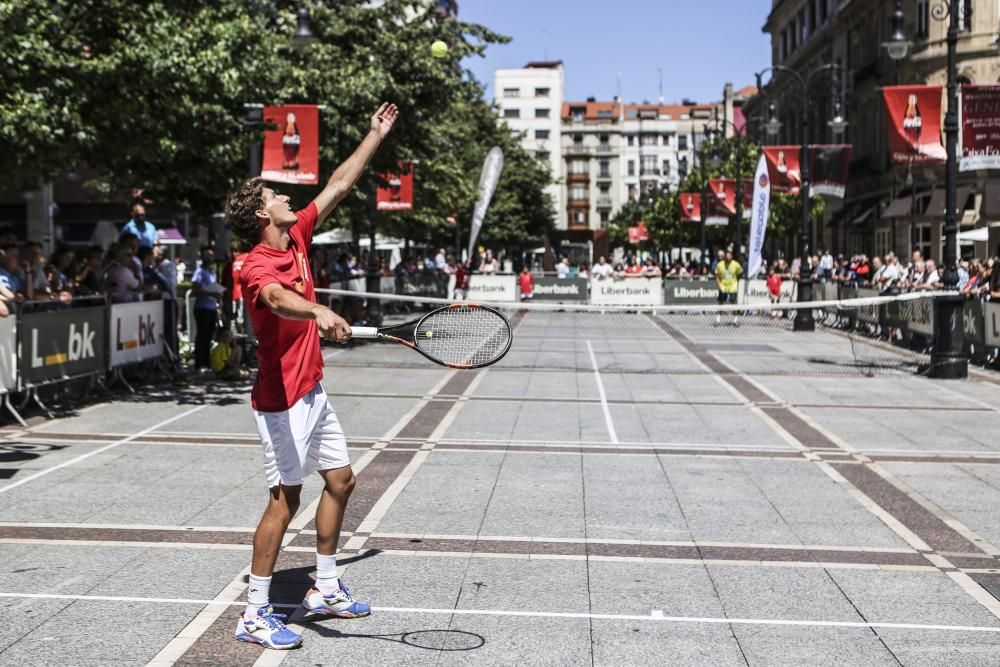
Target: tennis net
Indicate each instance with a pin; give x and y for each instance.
(868, 336)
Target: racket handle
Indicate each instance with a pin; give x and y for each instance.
(363, 332)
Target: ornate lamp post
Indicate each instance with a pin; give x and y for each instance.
(947, 358)
(804, 316)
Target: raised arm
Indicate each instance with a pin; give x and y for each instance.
(289, 305)
(348, 173)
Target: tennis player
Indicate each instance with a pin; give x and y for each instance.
(298, 429)
(727, 279)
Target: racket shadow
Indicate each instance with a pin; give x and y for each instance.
(428, 640)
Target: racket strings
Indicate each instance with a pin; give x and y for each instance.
(464, 336)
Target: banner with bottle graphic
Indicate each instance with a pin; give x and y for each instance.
(828, 165)
(913, 121)
(783, 169)
(291, 144)
(690, 203)
(397, 193)
(980, 128)
(725, 194)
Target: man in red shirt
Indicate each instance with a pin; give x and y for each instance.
(298, 429)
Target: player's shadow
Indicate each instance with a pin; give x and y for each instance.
(428, 640)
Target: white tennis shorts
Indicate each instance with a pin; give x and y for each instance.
(302, 439)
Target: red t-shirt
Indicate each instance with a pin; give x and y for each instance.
(288, 354)
(526, 282)
(633, 268)
(237, 266)
(774, 284)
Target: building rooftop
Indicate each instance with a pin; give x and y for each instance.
(544, 64)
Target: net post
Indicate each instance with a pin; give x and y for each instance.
(948, 360)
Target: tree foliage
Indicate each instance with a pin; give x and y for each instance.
(151, 94)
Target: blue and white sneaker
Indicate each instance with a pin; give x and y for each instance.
(267, 629)
(338, 605)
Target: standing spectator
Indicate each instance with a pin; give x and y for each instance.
(132, 241)
(206, 289)
(440, 260)
(774, 289)
(181, 268)
(87, 276)
(151, 275)
(826, 265)
(490, 264)
(168, 269)
(633, 269)
(461, 282)
(36, 280)
(526, 282)
(602, 269)
(720, 255)
(890, 280)
(11, 273)
(650, 269)
(562, 268)
(727, 278)
(138, 226)
(120, 280)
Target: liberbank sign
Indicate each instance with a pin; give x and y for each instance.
(627, 292)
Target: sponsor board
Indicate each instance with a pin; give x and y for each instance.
(973, 322)
(991, 330)
(8, 354)
(136, 332)
(627, 292)
(559, 289)
(756, 292)
(62, 344)
(690, 291)
(487, 287)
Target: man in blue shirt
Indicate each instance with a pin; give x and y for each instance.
(143, 229)
(11, 274)
(206, 289)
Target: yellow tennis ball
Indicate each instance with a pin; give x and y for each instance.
(439, 49)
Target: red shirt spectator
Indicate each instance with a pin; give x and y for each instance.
(527, 283)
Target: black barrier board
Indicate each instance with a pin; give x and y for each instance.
(974, 322)
(62, 344)
(690, 291)
(559, 289)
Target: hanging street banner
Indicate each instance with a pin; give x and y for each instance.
(488, 177)
(690, 203)
(758, 216)
(980, 128)
(291, 144)
(725, 193)
(783, 171)
(828, 165)
(638, 233)
(913, 121)
(397, 193)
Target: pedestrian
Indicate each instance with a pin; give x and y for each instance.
(140, 227)
(727, 278)
(298, 429)
(206, 289)
(526, 283)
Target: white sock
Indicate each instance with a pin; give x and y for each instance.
(258, 596)
(327, 582)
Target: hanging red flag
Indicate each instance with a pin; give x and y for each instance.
(397, 193)
(633, 235)
(690, 203)
(291, 146)
(643, 232)
(783, 168)
(913, 121)
(725, 194)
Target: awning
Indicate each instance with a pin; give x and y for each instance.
(899, 208)
(170, 236)
(980, 234)
(935, 209)
(860, 220)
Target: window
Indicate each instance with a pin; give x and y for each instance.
(965, 15)
(541, 113)
(605, 146)
(882, 242)
(577, 114)
(604, 219)
(682, 142)
(541, 92)
(803, 27)
(541, 134)
(511, 113)
(604, 196)
(647, 139)
(543, 156)
(631, 167)
(666, 167)
(579, 218)
(648, 165)
(632, 192)
(579, 167)
(605, 169)
(578, 192)
(631, 140)
(923, 239)
(923, 18)
(511, 92)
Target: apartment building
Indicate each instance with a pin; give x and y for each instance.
(529, 100)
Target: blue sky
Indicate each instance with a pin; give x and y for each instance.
(699, 44)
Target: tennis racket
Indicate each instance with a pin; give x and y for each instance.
(462, 335)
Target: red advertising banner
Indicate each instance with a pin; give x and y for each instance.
(643, 232)
(690, 203)
(397, 194)
(725, 194)
(291, 144)
(783, 168)
(638, 233)
(828, 166)
(633, 235)
(980, 128)
(913, 121)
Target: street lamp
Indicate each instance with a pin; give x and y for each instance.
(804, 320)
(303, 37)
(947, 359)
(712, 160)
(739, 175)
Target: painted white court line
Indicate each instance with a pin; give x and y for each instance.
(652, 616)
(600, 391)
(100, 450)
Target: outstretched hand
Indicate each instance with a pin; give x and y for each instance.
(384, 119)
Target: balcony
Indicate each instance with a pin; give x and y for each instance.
(578, 203)
(605, 148)
(578, 149)
(578, 177)
(604, 175)
(649, 172)
(604, 202)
